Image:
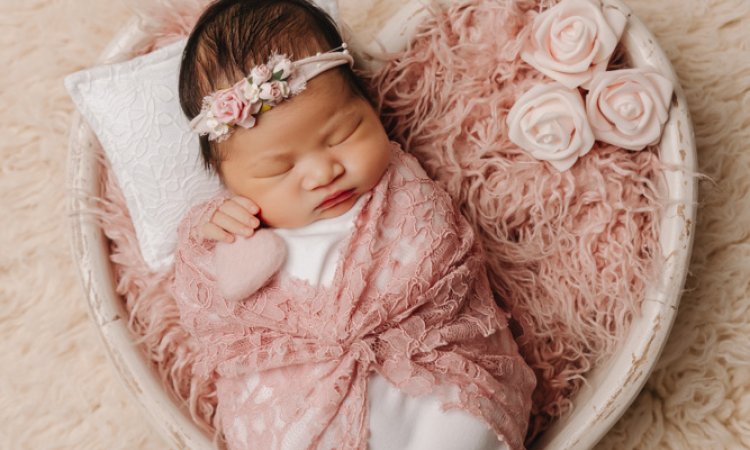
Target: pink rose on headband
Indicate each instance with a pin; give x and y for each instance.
(549, 122)
(573, 41)
(227, 105)
(628, 108)
(274, 91)
(246, 119)
(260, 74)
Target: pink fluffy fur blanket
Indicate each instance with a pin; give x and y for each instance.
(569, 254)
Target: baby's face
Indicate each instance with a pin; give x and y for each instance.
(324, 142)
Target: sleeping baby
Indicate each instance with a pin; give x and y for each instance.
(337, 297)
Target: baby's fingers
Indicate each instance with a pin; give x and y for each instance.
(230, 224)
(239, 213)
(247, 204)
(213, 232)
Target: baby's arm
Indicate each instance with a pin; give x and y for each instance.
(222, 233)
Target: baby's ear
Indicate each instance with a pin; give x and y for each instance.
(246, 265)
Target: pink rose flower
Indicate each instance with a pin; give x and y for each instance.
(260, 74)
(628, 108)
(227, 106)
(573, 41)
(549, 122)
(246, 118)
(273, 91)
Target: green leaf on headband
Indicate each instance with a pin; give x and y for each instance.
(277, 75)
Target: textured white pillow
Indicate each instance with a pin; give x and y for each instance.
(133, 108)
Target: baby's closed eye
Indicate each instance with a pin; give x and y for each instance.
(278, 166)
(272, 170)
(346, 133)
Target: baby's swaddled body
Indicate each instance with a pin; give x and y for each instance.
(396, 420)
(367, 331)
(378, 319)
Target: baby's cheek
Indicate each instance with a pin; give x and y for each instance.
(380, 158)
(289, 212)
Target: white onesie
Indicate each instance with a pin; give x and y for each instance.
(397, 421)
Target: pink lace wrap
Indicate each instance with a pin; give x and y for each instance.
(410, 299)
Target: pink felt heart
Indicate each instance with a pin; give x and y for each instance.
(246, 264)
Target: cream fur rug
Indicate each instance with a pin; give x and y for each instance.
(57, 387)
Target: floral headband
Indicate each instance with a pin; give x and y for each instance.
(266, 86)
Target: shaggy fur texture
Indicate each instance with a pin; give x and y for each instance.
(58, 390)
(569, 253)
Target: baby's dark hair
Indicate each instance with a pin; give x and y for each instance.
(233, 36)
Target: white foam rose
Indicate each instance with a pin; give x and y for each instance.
(628, 108)
(549, 122)
(573, 41)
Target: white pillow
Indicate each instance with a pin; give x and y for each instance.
(133, 108)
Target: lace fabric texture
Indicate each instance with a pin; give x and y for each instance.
(410, 299)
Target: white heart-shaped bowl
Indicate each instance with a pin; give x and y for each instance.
(610, 388)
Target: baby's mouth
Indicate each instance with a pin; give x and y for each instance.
(335, 198)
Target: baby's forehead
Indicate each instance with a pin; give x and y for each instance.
(329, 83)
(325, 105)
(323, 92)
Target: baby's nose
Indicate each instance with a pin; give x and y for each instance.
(322, 172)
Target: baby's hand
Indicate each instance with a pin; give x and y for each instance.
(234, 216)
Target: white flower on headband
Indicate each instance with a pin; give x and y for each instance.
(250, 91)
(265, 87)
(260, 74)
(282, 69)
